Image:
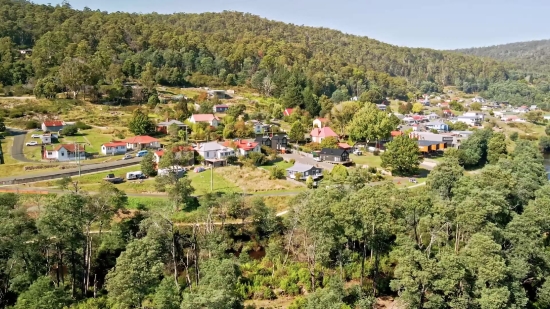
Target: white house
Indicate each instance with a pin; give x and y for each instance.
(114, 148)
(478, 100)
(320, 122)
(141, 142)
(65, 152)
(214, 153)
(206, 118)
(52, 125)
(471, 121)
(480, 116)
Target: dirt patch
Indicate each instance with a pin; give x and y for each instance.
(254, 179)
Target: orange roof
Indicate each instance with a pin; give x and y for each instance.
(241, 144)
(203, 117)
(288, 111)
(53, 123)
(396, 133)
(344, 146)
(70, 147)
(143, 139)
(323, 132)
(114, 144)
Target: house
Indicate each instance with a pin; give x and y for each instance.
(141, 142)
(396, 133)
(334, 155)
(433, 116)
(288, 111)
(205, 118)
(179, 152)
(469, 120)
(546, 117)
(214, 153)
(46, 138)
(220, 94)
(447, 113)
(305, 170)
(163, 126)
(243, 147)
(319, 134)
(52, 125)
(449, 138)
(114, 148)
(220, 108)
(521, 110)
(431, 146)
(533, 108)
(320, 122)
(259, 127)
(65, 152)
(381, 107)
(26, 52)
(443, 104)
(478, 100)
(277, 142)
(437, 125)
(481, 116)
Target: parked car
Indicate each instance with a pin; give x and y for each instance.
(358, 152)
(112, 179)
(135, 175)
(199, 169)
(31, 144)
(127, 157)
(35, 136)
(141, 153)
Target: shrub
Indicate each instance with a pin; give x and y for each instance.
(82, 126)
(514, 136)
(32, 124)
(376, 152)
(277, 173)
(292, 161)
(69, 130)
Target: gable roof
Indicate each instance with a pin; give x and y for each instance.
(288, 111)
(323, 132)
(344, 146)
(114, 144)
(241, 144)
(70, 147)
(203, 117)
(53, 123)
(333, 151)
(210, 146)
(300, 167)
(143, 139)
(168, 123)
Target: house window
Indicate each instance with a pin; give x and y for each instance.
(62, 154)
(50, 153)
(306, 174)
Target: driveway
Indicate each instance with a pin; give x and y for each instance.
(18, 144)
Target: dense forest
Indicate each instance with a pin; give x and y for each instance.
(462, 241)
(531, 56)
(96, 53)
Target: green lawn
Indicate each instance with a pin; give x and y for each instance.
(282, 164)
(367, 159)
(201, 183)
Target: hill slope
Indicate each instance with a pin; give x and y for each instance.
(529, 56)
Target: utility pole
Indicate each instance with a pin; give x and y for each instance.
(212, 178)
(76, 146)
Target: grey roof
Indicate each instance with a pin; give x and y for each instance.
(168, 123)
(435, 123)
(428, 143)
(300, 167)
(210, 146)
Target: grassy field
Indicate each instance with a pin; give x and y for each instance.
(367, 159)
(201, 182)
(255, 180)
(281, 164)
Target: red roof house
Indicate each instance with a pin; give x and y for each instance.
(141, 142)
(396, 133)
(318, 134)
(243, 146)
(52, 125)
(288, 111)
(114, 148)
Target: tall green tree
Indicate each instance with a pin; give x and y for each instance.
(402, 156)
(296, 133)
(140, 124)
(496, 148)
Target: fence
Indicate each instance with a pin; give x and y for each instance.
(61, 174)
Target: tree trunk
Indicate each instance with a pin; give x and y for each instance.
(174, 259)
(363, 262)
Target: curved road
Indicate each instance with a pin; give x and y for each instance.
(18, 144)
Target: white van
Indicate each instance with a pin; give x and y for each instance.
(134, 175)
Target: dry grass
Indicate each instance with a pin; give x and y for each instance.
(254, 179)
(279, 203)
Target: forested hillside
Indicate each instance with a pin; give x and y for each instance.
(87, 50)
(531, 56)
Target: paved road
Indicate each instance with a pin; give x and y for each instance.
(86, 169)
(18, 144)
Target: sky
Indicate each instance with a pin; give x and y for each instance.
(439, 24)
